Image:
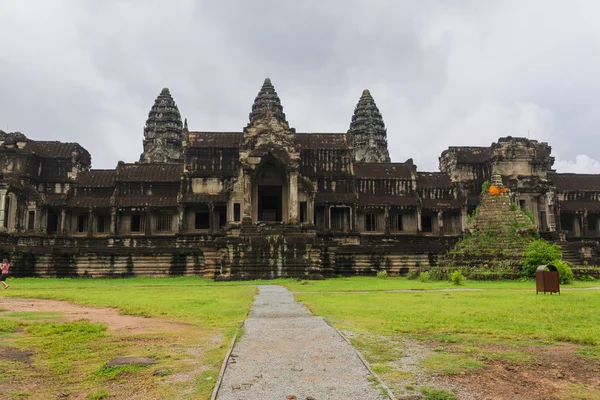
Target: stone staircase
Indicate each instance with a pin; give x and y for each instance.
(568, 253)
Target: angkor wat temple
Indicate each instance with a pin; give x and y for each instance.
(268, 201)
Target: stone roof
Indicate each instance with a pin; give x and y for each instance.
(143, 201)
(234, 139)
(321, 197)
(469, 154)
(384, 170)
(205, 198)
(55, 199)
(215, 139)
(58, 150)
(155, 172)
(572, 206)
(89, 201)
(379, 200)
(436, 180)
(96, 178)
(267, 99)
(577, 182)
(322, 141)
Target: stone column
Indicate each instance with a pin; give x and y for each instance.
(327, 216)
(418, 219)
(584, 223)
(211, 217)
(440, 218)
(90, 231)
(148, 227)
(63, 219)
(43, 220)
(2, 210)
(386, 220)
(247, 210)
(113, 221)
(293, 199)
(180, 221)
(310, 210)
(463, 219)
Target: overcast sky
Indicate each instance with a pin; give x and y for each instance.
(443, 73)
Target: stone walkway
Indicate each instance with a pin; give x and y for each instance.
(285, 350)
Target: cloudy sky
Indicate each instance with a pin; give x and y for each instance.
(442, 73)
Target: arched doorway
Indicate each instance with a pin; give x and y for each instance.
(270, 192)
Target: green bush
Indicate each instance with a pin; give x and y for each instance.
(485, 187)
(565, 274)
(586, 278)
(539, 252)
(382, 274)
(424, 276)
(513, 206)
(458, 278)
(412, 275)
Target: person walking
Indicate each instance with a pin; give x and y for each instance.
(4, 275)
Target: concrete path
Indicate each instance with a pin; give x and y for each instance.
(285, 350)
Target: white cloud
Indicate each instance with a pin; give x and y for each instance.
(583, 164)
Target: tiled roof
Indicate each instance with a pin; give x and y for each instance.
(205, 198)
(55, 149)
(433, 180)
(577, 182)
(215, 139)
(96, 178)
(369, 200)
(55, 200)
(158, 172)
(335, 198)
(383, 170)
(580, 206)
(441, 203)
(142, 201)
(322, 140)
(89, 201)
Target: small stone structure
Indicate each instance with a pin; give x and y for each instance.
(268, 201)
(498, 234)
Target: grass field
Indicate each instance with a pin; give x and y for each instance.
(458, 332)
(69, 357)
(453, 334)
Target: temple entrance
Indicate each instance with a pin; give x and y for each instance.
(270, 203)
(270, 192)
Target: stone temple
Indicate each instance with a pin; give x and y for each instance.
(268, 201)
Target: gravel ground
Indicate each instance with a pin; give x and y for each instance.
(286, 351)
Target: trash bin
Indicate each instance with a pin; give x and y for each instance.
(546, 279)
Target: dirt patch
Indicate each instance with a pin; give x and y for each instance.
(128, 324)
(12, 354)
(557, 373)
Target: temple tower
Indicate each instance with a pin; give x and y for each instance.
(368, 132)
(267, 100)
(163, 131)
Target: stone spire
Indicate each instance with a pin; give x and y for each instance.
(368, 131)
(163, 131)
(267, 100)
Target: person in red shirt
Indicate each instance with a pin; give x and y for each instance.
(5, 268)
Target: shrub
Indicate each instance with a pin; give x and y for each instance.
(458, 278)
(565, 274)
(587, 278)
(382, 274)
(539, 252)
(485, 186)
(412, 275)
(513, 206)
(424, 276)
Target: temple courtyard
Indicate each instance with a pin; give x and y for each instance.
(387, 338)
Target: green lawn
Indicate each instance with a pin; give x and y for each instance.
(466, 329)
(72, 355)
